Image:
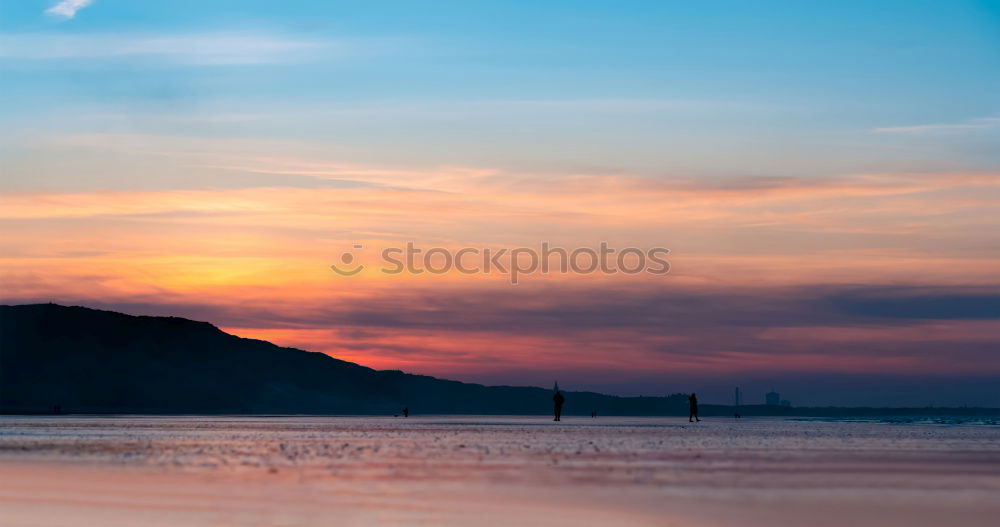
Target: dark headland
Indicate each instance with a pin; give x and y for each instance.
(81, 360)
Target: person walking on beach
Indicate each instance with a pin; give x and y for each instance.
(693, 401)
(557, 401)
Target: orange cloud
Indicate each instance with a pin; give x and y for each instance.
(271, 246)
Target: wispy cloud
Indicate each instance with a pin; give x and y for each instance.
(941, 128)
(67, 9)
(199, 48)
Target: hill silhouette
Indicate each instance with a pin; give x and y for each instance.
(82, 360)
(85, 360)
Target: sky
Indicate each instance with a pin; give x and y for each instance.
(826, 176)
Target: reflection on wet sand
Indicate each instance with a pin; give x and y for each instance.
(469, 470)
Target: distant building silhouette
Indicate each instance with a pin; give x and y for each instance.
(786, 402)
(738, 397)
(772, 398)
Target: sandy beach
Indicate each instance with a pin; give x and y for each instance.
(264, 471)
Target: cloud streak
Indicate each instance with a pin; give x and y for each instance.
(67, 9)
(942, 128)
(194, 49)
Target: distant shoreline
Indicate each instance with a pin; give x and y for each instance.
(707, 410)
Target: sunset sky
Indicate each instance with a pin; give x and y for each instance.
(826, 176)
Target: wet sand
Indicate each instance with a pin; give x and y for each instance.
(269, 471)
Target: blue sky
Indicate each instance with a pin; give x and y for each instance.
(788, 88)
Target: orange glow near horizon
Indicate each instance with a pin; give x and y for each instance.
(261, 256)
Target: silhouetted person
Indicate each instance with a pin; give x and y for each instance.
(736, 415)
(593, 413)
(406, 412)
(557, 401)
(693, 402)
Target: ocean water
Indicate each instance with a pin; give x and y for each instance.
(957, 420)
(465, 470)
